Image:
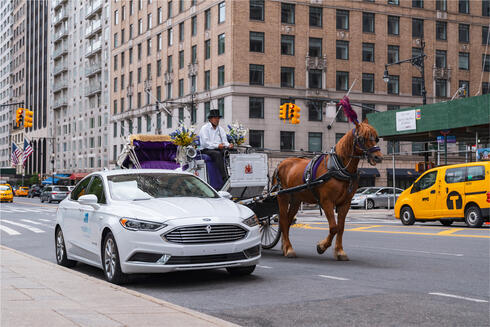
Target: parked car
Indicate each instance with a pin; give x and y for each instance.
(35, 190)
(154, 221)
(6, 193)
(54, 193)
(374, 197)
(70, 188)
(22, 191)
(449, 193)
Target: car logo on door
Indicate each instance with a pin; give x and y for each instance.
(206, 219)
(208, 229)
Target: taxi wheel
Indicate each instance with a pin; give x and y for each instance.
(240, 271)
(472, 217)
(406, 216)
(111, 263)
(60, 249)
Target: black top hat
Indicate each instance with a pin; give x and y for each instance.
(214, 113)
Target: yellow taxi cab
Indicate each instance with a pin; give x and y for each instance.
(22, 191)
(449, 193)
(6, 193)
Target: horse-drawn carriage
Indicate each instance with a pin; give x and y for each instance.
(248, 174)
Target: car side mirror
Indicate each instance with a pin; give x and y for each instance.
(89, 199)
(224, 194)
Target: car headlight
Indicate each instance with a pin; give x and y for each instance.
(140, 225)
(251, 221)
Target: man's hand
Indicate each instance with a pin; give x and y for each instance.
(230, 146)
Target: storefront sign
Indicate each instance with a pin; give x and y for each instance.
(405, 121)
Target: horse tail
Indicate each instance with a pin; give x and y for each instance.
(276, 182)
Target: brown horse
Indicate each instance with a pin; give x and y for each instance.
(354, 145)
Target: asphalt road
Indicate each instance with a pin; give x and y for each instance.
(425, 274)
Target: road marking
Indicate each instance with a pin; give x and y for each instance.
(9, 231)
(32, 229)
(450, 231)
(333, 277)
(266, 267)
(364, 227)
(459, 297)
(36, 223)
(36, 205)
(46, 220)
(415, 251)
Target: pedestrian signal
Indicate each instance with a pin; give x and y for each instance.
(19, 116)
(28, 118)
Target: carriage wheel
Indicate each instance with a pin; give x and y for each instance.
(269, 231)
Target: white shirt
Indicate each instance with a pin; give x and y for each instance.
(211, 138)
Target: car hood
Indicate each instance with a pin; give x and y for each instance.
(164, 209)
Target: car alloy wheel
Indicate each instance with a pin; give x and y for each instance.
(61, 257)
(112, 267)
(370, 204)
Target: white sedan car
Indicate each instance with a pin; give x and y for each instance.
(141, 221)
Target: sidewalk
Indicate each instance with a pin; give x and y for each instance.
(35, 292)
(314, 215)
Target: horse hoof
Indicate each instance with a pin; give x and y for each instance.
(319, 249)
(291, 254)
(342, 257)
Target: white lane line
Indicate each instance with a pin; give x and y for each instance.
(459, 297)
(46, 220)
(266, 267)
(36, 223)
(333, 277)
(32, 229)
(9, 231)
(414, 251)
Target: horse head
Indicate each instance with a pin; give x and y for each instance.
(365, 143)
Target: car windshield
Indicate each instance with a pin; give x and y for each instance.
(361, 190)
(60, 188)
(4, 188)
(371, 191)
(147, 186)
(24, 188)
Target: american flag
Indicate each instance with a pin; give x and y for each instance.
(27, 151)
(15, 154)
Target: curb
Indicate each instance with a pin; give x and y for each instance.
(190, 312)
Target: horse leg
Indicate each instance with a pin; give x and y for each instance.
(284, 224)
(293, 209)
(323, 245)
(339, 253)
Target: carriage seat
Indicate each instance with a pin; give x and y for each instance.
(214, 177)
(157, 155)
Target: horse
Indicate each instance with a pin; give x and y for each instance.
(356, 144)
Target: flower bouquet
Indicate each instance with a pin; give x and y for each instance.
(184, 136)
(236, 134)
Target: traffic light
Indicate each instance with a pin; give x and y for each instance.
(292, 108)
(296, 114)
(28, 118)
(283, 111)
(19, 116)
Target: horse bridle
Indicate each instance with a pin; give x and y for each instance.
(359, 143)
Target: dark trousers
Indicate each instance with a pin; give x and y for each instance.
(218, 158)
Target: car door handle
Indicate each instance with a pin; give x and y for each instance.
(433, 191)
(447, 190)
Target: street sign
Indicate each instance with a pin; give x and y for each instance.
(405, 121)
(450, 139)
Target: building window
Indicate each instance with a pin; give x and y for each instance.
(114, 106)
(466, 87)
(122, 36)
(342, 50)
(342, 81)
(221, 43)
(138, 100)
(159, 121)
(315, 79)
(314, 142)
(342, 19)
(181, 88)
(221, 107)
(140, 26)
(316, 16)
(115, 62)
(170, 67)
(256, 74)
(116, 17)
(169, 121)
(160, 15)
(368, 83)
(441, 89)
(441, 31)
(256, 138)
(148, 22)
(256, 41)
(393, 53)
(441, 5)
(207, 80)
(441, 58)
(393, 107)
(464, 6)
(390, 145)
(159, 93)
(181, 6)
(148, 123)
(169, 10)
(139, 125)
(256, 107)
(139, 51)
(181, 32)
(287, 77)
(181, 59)
(393, 25)
(394, 2)
(287, 13)
(194, 25)
(464, 61)
(169, 91)
(485, 8)
(159, 42)
(130, 56)
(464, 33)
(181, 114)
(287, 141)
(116, 43)
(221, 12)
(194, 54)
(130, 31)
(207, 108)
(368, 22)
(315, 47)
(485, 59)
(207, 19)
(257, 8)
(287, 45)
(315, 111)
(485, 88)
(367, 108)
(170, 36)
(207, 49)
(417, 3)
(485, 37)
(221, 75)
(338, 137)
(394, 85)
(148, 47)
(417, 28)
(368, 52)
(115, 84)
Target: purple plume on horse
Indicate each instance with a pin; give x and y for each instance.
(349, 112)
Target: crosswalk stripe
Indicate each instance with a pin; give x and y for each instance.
(46, 220)
(9, 231)
(32, 229)
(36, 223)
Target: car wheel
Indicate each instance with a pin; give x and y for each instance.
(111, 263)
(60, 249)
(472, 217)
(240, 271)
(406, 216)
(369, 204)
(446, 222)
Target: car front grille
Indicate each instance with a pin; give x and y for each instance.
(204, 234)
(198, 259)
